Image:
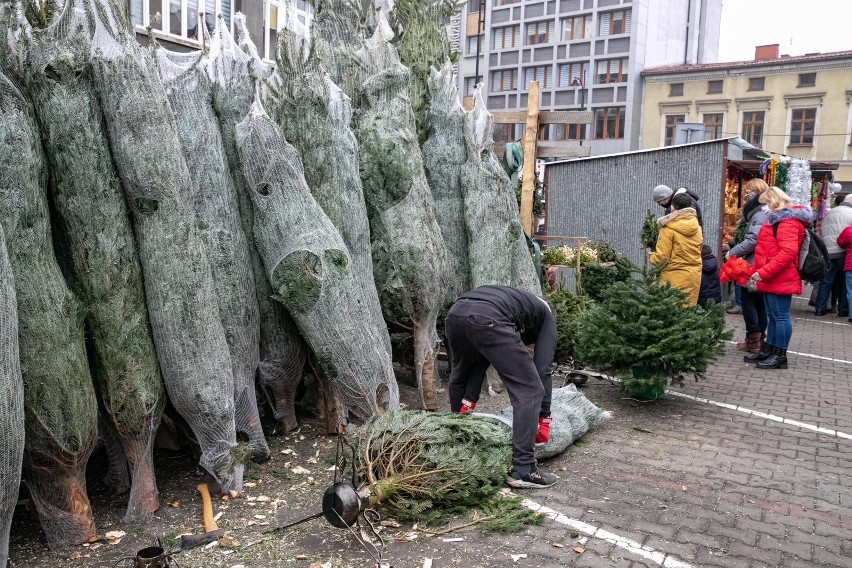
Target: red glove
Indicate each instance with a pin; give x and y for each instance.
(543, 434)
(467, 406)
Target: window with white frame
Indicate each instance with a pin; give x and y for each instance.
(578, 27)
(473, 44)
(178, 17)
(614, 23)
(504, 80)
(281, 14)
(507, 37)
(612, 71)
(568, 72)
(802, 126)
(540, 74)
(540, 32)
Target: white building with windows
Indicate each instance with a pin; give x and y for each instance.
(176, 22)
(796, 105)
(585, 54)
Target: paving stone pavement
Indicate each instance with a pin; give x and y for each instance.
(702, 485)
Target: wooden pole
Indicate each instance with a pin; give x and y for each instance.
(530, 137)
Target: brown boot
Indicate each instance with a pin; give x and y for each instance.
(752, 342)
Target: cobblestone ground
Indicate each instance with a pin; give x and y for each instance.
(697, 484)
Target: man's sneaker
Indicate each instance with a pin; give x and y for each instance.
(536, 478)
(467, 406)
(543, 435)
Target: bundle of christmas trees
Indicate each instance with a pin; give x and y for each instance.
(223, 222)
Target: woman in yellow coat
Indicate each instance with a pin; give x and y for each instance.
(679, 243)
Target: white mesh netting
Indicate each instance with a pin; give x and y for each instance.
(61, 411)
(11, 400)
(309, 268)
(214, 196)
(497, 246)
(444, 154)
(89, 199)
(282, 350)
(179, 287)
(314, 114)
(408, 250)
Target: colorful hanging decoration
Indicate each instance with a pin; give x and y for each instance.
(781, 176)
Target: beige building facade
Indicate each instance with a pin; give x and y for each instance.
(797, 106)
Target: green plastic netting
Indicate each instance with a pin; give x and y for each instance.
(180, 291)
(444, 154)
(315, 115)
(309, 268)
(408, 250)
(88, 197)
(214, 197)
(11, 402)
(61, 410)
(282, 350)
(497, 250)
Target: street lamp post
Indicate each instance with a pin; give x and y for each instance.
(577, 83)
(480, 30)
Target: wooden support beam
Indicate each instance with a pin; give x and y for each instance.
(530, 136)
(544, 117)
(557, 151)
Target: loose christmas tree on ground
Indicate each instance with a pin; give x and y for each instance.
(641, 334)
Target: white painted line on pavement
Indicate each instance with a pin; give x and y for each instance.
(800, 354)
(646, 552)
(822, 321)
(757, 414)
(751, 412)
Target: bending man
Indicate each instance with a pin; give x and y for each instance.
(492, 325)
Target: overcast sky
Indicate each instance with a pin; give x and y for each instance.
(798, 26)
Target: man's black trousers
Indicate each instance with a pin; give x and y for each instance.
(478, 334)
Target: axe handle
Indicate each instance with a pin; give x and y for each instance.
(207, 511)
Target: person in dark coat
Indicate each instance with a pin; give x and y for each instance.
(663, 195)
(492, 325)
(710, 287)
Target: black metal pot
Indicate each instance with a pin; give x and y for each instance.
(341, 505)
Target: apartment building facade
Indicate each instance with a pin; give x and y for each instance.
(585, 54)
(176, 22)
(799, 106)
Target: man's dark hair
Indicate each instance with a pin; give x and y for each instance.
(838, 200)
(681, 201)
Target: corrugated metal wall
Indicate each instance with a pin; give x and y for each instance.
(606, 198)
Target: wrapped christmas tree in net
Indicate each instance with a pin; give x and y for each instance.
(282, 351)
(421, 34)
(179, 287)
(314, 115)
(11, 401)
(337, 35)
(444, 154)
(89, 199)
(496, 242)
(642, 334)
(308, 265)
(214, 197)
(408, 250)
(417, 463)
(61, 410)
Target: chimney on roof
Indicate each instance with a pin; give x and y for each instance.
(766, 52)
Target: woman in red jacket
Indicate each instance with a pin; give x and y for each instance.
(844, 241)
(776, 261)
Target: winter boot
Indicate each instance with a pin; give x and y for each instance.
(751, 343)
(467, 406)
(778, 360)
(763, 353)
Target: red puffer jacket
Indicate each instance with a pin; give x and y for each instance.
(844, 241)
(776, 256)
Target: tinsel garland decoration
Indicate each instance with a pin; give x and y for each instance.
(781, 176)
(799, 182)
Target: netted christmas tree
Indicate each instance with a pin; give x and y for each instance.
(214, 198)
(310, 271)
(420, 27)
(408, 250)
(97, 231)
(444, 154)
(338, 35)
(641, 334)
(179, 287)
(497, 246)
(11, 402)
(60, 405)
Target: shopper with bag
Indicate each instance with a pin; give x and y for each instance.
(776, 276)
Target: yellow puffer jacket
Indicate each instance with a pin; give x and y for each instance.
(680, 243)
